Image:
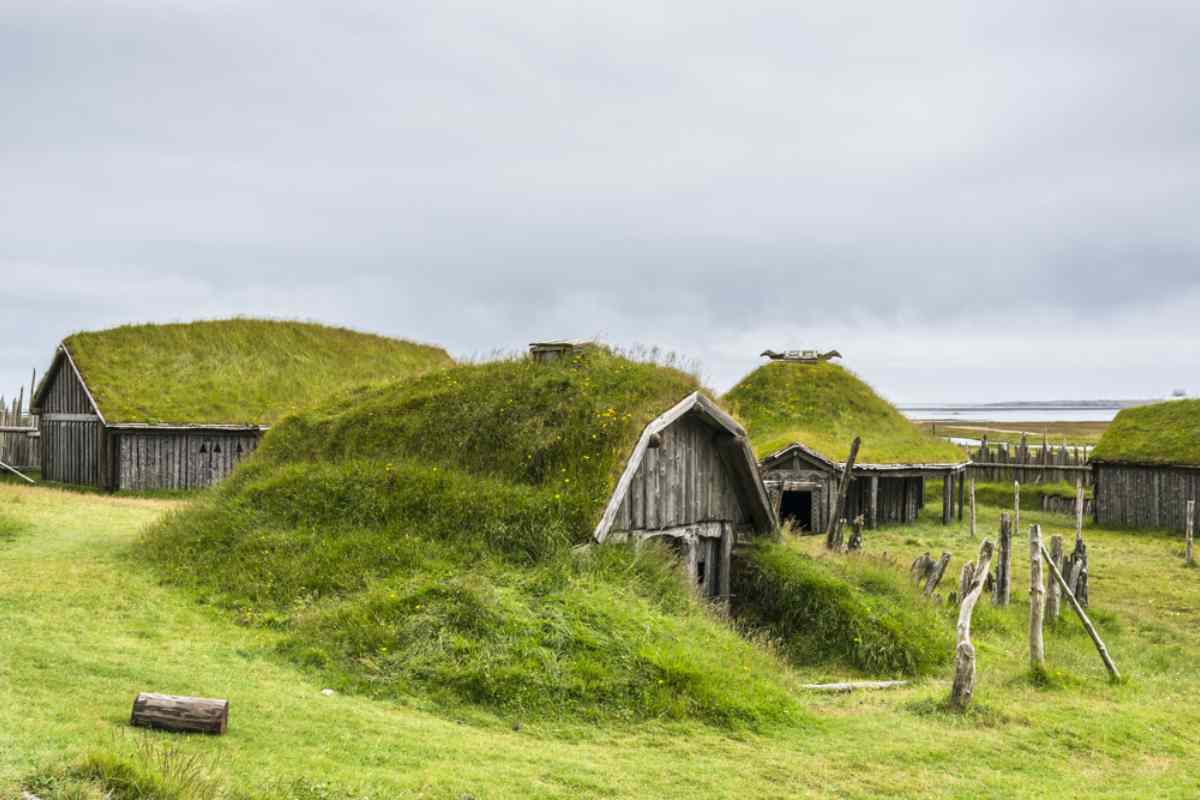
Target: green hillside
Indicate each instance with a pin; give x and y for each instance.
(415, 540)
(234, 371)
(824, 406)
(1163, 433)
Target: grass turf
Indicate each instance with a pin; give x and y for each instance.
(86, 625)
(235, 371)
(1163, 433)
(824, 406)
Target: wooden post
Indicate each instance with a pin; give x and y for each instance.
(832, 532)
(1078, 511)
(964, 652)
(935, 576)
(1017, 507)
(873, 519)
(171, 713)
(1189, 530)
(1037, 599)
(1083, 617)
(964, 579)
(947, 497)
(1000, 595)
(1053, 607)
(962, 485)
(972, 508)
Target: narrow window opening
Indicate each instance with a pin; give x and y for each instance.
(700, 574)
(217, 447)
(203, 447)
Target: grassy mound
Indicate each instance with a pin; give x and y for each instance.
(854, 610)
(1163, 433)
(415, 541)
(824, 406)
(243, 371)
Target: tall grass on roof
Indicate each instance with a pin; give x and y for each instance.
(824, 406)
(415, 541)
(234, 371)
(1162, 433)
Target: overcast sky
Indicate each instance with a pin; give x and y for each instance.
(972, 201)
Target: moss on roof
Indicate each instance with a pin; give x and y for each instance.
(234, 371)
(1163, 433)
(824, 406)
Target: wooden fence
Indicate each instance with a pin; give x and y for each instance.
(20, 446)
(1044, 463)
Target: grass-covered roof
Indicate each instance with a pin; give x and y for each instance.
(823, 407)
(1163, 433)
(234, 371)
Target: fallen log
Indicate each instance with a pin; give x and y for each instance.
(182, 714)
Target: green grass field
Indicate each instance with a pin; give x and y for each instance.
(1056, 433)
(84, 626)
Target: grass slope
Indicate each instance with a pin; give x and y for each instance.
(85, 626)
(824, 406)
(415, 541)
(243, 371)
(1163, 433)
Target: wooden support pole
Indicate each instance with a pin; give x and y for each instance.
(171, 713)
(947, 497)
(962, 485)
(1037, 600)
(1189, 531)
(1003, 588)
(964, 652)
(972, 508)
(873, 519)
(1053, 595)
(1083, 617)
(833, 530)
(1078, 511)
(1017, 507)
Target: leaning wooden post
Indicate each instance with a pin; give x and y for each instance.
(835, 521)
(1037, 599)
(1083, 617)
(1189, 530)
(972, 508)
(1017, 507)
(1053, 607)
(964, 652)
(1000, 594)
(936, 573)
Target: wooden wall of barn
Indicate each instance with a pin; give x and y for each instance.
(1144, 497)
(72, 438)
(178, 459)
(681, 482)
(900, 499)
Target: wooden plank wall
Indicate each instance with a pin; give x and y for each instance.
(70, 451)
(179, 459)
(681, 482)
(17, 449)
(65, 394)
(900, 499)
(1144, 497)
(1026, 464)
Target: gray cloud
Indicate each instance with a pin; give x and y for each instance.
(888, 178)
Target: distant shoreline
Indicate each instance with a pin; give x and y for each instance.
(1033, 405)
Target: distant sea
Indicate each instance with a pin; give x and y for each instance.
(1021, 412)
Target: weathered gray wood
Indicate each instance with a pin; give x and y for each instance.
(963, 688)
(1190, 527)
(182, 714)
(947, 497)
(1053, 607)
(965, 577)
(972, 517)
(1016, 526)
(1002, 591)
(1078, 512)
(873, 515)
(833, 530)
(962, 483)
(1083, 618)
(1037, 599)
(936, 573)
(852, 686)
(922, 567)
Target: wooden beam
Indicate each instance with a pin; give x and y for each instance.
(835, 521)
(1083, 617)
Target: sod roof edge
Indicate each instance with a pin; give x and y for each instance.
(1165, 435)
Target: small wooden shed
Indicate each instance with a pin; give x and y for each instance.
(214, 388)
(1146, 467)
(692, 480)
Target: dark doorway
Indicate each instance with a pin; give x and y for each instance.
(795, 511)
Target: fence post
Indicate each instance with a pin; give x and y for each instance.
(1037, 646)
(972, 508)
(1078, 511)
(1003, 563)
(1053, 607)
(1017, 506)
(1191, 526)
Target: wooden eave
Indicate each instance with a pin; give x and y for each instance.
(811, 454)
(740, 460)
(1145, 464)
(62, 356)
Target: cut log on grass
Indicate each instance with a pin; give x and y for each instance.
(852, 686)
(1037, 645)
(964, 652)
(833, 533)
(183, 714)
(1053, 593)
(1083, 617)
(935, 575)
(1003, 589)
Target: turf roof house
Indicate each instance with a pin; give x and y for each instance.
(178, 406)
(1146, 467)
(802, 418)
